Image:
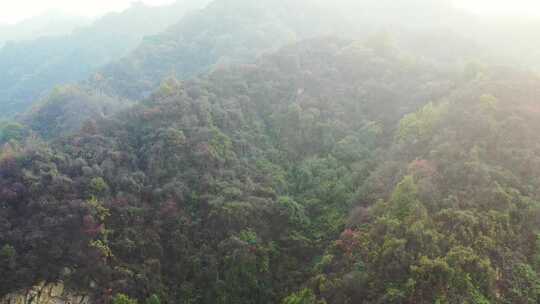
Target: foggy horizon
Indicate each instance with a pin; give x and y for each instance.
(20, 11)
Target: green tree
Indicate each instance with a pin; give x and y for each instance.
(305, 296)
(98, 186)
(123, 299)
(404, 200)
(153, 299)
(420, 125)
(8, 257)
(12, 131)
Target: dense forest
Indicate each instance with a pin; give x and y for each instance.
(250, 154)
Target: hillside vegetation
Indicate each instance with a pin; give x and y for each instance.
(324, 168)
(249, 155)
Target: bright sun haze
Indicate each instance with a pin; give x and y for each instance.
(502, 7)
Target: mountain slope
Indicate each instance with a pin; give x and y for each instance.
(238, 31)
(457, 219)
(222, 189)
(225, 32)
(331, 171)
(33, 68)
(377, 170)
(228, 32)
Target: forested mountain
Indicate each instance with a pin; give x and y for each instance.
(225, 32)
(238, 31)
(456, 216)
(228, 32)
(248, 155)
(319, 173)
(31, 69)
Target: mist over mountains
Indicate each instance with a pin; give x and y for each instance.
(274, 151)
(31, 68)
(49, 24)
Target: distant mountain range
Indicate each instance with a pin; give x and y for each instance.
(46, 25)
(32, 68)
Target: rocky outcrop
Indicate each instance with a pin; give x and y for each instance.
(46, 294)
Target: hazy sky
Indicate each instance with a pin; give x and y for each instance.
(12, 11)
(502, 7)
